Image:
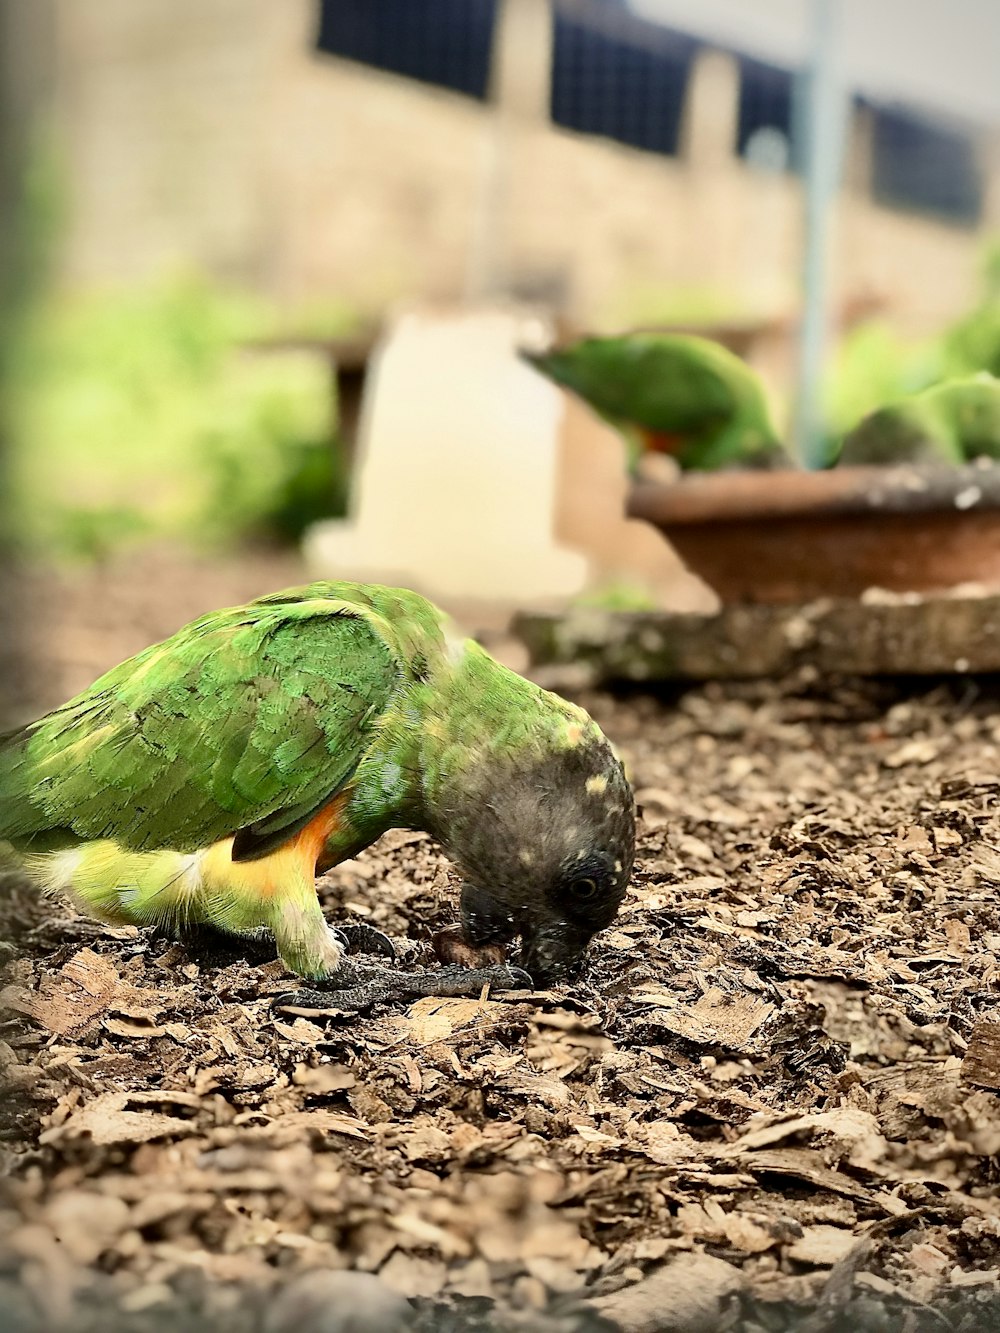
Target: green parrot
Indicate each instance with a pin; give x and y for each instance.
(952, 422)
(207, 779)
(672, 393)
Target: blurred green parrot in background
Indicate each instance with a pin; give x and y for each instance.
(672, 393)
(949, 423)
(206, 780)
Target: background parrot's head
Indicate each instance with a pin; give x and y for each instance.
(599, 370)
(907, 432)
(546, 851)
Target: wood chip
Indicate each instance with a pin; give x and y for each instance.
(981, 1065)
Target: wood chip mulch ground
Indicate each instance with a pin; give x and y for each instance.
(771, 1104)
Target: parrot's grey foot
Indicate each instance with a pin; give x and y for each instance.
(357, 988)
(359, 937)
(465, 980)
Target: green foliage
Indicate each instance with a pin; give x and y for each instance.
(873, 367)
(618, 595)
(973, 343)
(870, 368)
(661, 305)
(92, 535)
(145, 413)
(268, 466)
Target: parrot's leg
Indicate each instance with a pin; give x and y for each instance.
(306, 943)
(349, 985)
(275, 893)
(279, 892)
(355, 988)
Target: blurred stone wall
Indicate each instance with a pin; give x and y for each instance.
(208, 132)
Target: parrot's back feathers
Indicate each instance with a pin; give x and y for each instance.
(247, 722)
(16, 808)
(904, 432)
(666, 382)
(951, 422)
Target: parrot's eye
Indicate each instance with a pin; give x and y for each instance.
(587, 892)
(583, 889)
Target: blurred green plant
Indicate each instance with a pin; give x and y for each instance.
(617, 595)
(874, 367)
(698, 305)
(871, 367)
(149, 413)
(973, 342)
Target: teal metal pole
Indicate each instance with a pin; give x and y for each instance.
(822, 119)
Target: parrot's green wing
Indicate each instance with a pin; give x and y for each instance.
(250, 719)
(971, 406)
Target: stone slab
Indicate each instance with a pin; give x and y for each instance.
(875, 636)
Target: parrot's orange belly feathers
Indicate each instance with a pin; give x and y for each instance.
(293, 859)
(662, 442)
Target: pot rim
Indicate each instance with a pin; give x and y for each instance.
(726, 497)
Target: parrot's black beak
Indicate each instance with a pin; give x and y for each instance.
(554, 952)
(485, 919)
(536, 359)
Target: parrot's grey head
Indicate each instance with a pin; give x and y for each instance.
(546, 850)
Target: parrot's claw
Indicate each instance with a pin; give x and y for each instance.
(359, 937)
(354, 988)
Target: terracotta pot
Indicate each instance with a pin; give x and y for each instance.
(793, 536)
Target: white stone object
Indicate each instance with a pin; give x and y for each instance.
(455, 490)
